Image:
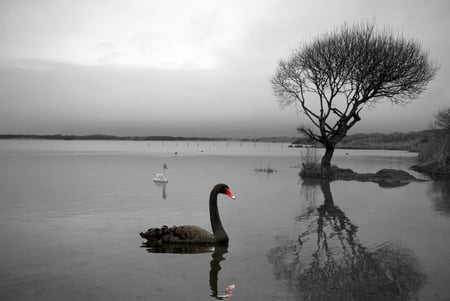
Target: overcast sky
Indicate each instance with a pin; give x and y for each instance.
(189, 68)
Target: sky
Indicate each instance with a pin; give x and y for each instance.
(188, 68)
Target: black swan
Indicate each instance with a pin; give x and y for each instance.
(194, 234)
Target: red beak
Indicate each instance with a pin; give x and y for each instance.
(230, 194)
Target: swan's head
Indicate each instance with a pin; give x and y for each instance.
(224, 189)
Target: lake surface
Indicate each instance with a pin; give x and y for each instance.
(71, 213)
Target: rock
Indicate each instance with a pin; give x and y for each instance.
(384, 177)
(395, 174)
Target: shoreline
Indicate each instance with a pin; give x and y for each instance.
(394, 141)
(106, 137)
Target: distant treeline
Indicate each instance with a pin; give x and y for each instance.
(108, 137)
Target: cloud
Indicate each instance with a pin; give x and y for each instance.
(192, 66)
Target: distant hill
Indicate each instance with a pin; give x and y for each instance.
(410, 141)
(395, 141)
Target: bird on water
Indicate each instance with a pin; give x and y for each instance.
(194, 234)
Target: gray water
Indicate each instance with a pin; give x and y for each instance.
(71, 211)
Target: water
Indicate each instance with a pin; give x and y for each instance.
(71, 211)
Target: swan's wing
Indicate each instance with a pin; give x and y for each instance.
(188, 234)
(178, 234)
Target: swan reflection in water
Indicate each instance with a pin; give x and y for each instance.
(163, 186)
(218, 252)
(328, 262)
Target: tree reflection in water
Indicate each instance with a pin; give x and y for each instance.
(440, 195)
(327, 261)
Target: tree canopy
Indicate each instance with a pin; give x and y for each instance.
(335, 75)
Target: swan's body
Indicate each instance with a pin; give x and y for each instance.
(194, 234)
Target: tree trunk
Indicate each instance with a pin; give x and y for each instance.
(326, 191)
(326, 159)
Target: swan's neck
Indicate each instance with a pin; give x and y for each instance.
(219, 232)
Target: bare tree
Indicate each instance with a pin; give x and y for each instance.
(442, 120)
(333, 77)
(437, 149)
